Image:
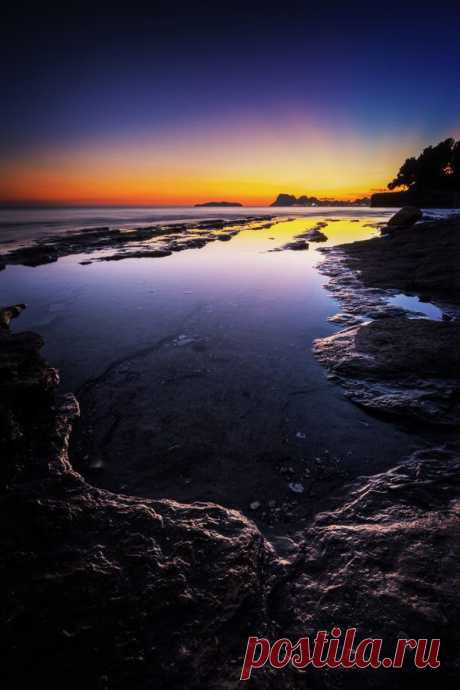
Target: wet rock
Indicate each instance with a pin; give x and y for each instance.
(399, 366)
(314, 235)
(405, 218)
(131, 243)
(424, 261)
(110, 590)
(33, 256)
(172, 580)
(138, 254)
(297, 245)
(345, 319)
(384, 561)
(9, 313)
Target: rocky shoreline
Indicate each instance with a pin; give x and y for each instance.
(389, 360)
(115, 244)
(114, 591)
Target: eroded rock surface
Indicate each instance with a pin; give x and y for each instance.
(424, 260)
(385, 561)
(399, 366)
(107, 591)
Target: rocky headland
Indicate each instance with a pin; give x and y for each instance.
(304, 200)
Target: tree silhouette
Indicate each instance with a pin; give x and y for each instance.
(456, 165)
(437, 168)
(407, 175)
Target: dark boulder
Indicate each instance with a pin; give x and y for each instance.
(314, 235)
(405, 218)
(297, 245)
(33, 256)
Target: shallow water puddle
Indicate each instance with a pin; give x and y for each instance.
(413, 303)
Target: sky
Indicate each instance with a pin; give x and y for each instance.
(180, 103)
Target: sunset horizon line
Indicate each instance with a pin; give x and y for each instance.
(69, 203)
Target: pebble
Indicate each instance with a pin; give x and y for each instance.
(255, 505)
(296, 487)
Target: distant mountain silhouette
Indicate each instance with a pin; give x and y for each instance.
(291, 200)
(218, 203)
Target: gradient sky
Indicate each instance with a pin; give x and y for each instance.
(186, 102)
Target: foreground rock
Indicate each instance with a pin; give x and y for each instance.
(399, 366)
(110, 591)
(385, 561)
(106, 590)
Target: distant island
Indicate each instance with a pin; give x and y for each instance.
(291, 200)
(218, 203)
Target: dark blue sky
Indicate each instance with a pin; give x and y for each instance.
(70, 78)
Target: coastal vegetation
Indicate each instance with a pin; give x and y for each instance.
(437, 167)
(431, 179)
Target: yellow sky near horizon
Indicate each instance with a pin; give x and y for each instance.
(251, 166)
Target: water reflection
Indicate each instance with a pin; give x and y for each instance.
(414, 304)
(92, 314)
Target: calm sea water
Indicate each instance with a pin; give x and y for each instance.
(91, 314)
(29, 224)
(248, 314)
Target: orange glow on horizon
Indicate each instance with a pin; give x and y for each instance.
(249, 163)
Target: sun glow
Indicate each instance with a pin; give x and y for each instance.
(241, 161)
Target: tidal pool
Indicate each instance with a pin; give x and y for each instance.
(413, 303)
(196, 375)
